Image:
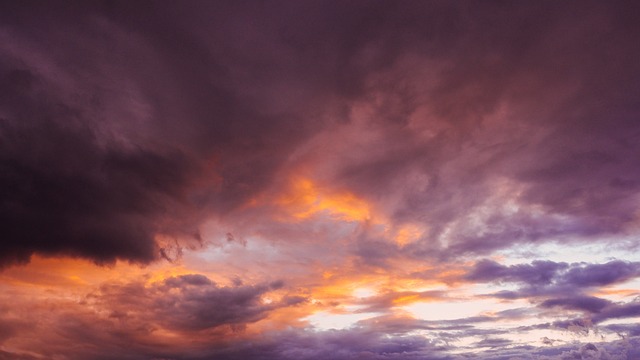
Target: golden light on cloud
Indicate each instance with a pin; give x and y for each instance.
(45, 276)
(408, 233)
(229, 181)
(304, 199)
(364, 292)
(406, 299)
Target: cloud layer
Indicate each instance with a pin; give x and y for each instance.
(313, 180)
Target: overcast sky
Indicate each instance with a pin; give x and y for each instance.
(320, 180)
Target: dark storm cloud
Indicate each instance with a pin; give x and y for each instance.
(121, 121)
(126, 125)
(62, 194)
(71, 184)
(118, 124)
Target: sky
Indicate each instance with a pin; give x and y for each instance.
(320, 180)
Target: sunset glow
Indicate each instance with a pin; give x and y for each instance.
(319, 180)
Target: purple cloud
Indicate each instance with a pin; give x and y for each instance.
(187, 303)
(547, 278)
(128, 129)
(540, 272)
(601, 274)
(619, 311)
(136, 112)
(585, 303)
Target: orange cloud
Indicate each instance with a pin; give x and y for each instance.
(304, 199)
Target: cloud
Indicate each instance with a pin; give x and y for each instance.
(4, 355)
(101, 156)
(618, 311)
(9, 328)
(188, 115)
(542, 278)
(429, 135)
(63, 195)
(627, 330)
(586, 303)
(587, 351)
(601, 274)
(138, 320)
(187, 303)
(386, 301)
(106, 338)
(538, 273)
(493, 343)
